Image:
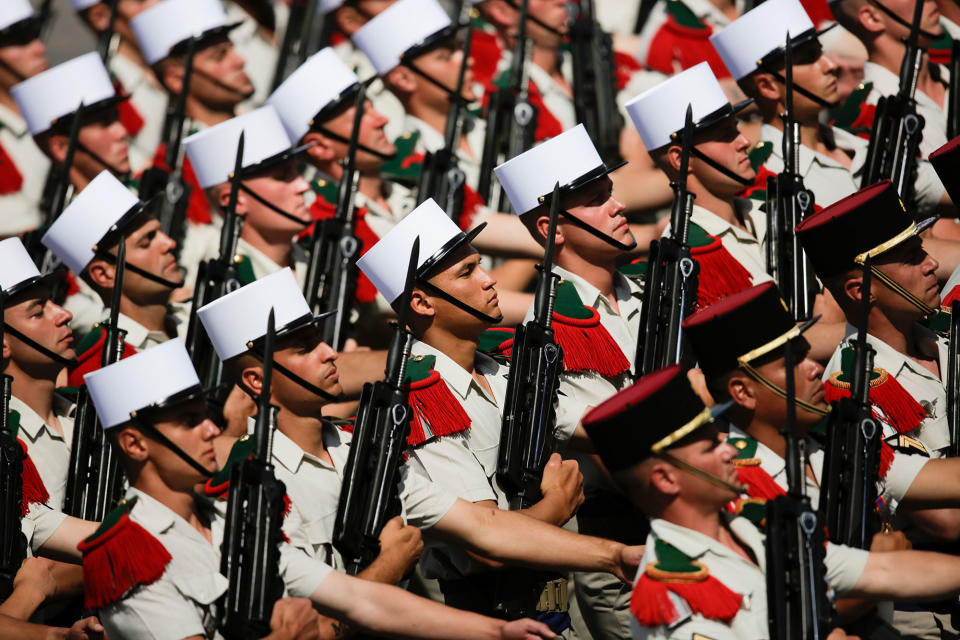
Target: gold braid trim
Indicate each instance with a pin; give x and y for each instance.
(660, 575)
(698, 421)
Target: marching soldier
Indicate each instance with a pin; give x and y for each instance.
(23, 167)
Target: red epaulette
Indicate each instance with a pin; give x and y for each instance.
(33, 490)
(11, 180)
(624, 66)
(759, 483)
(198, 209)
(436, 411)
(89, 352)
(856, 115)
(119, 556)
(486, 52)
(720, 273)
(497, 342)
(130, 118)
(547, 124)
(586, 343)
(683, 41)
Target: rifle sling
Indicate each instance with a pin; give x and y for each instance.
(460, 305)
(155, 434)
(596, 232)
(806, 406)
(36, 346)
(716, 165)
(273, 207)
(346, 140)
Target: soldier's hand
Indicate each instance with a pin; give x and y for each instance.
(87, 629)
(294, 619)
(889, 541)
(629, 562)
(525, 629)
(840, 634)
(562, 480)
(37, 574)
(400, 546)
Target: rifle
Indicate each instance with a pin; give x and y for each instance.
(788, 203)
(796, 545)
(526, 439)
(897, 127)
(849, 490)
(670, 287)
(511, 119)
(13, 544)
(953, 380)
(331, 280)
(175, 192)
(105, 43)
(95, 483)
(250, 551)
(370, 496)
(594, 82)
(953, 93)
(294, 39)
(441, 177)
(216, 278)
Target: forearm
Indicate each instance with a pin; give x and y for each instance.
(62, 545)
(11, 629)
(909, 575)
(21, 604)
(383, 570)
(548, 510)
(936, 485)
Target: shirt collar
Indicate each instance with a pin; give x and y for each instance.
(590, 295)
(808, 156)
(717, 226)
(456, 377)
(13, 122)
(695, 544)
(30, 421)
(291, 456)
(892, 360)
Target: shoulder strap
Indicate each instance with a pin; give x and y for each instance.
(436, 410)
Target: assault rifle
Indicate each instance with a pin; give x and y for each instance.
(796, 545)
(511, 119)
(849, 491)
(370, 495)
(594, 82)
(670, 287)
(331, 281)
(296, 37)
(788, 203)
(169, 180)
(250, 552)
(526, 439)
(897, 127)
(953, 93)
(441, 177)
(953, 379)
(13, 544)
(95, 483)
(216, 278)
(105, 42)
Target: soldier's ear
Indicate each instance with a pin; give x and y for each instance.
(741, 391)
(673, 156)
(767, 86)
(57, 147)
(663, 478)
(421, 303)
(7, 352)
(543, 228)
(871, 19)
(402, 79)
(101, 273)
(252, 379)
(349, 20)
(500, 13)
(132, 443)
(321, 150)
(171, 75)
(853, 288)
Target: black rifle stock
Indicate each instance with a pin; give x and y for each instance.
(953, 93)
(849, 491)
(953, 380)
(670, 286)
(95, 483)
(798, 607)
(13, 544)
(331, 281)
(510, 121)
(250, 551)
(370, 496)
(594, 82)
(897, 127)
(788, 203)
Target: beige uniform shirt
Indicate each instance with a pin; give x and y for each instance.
(555, 96)
(21, 210)
(829, 180)
(886, 83)
(431, 140)
(924, 386)
(264, 266)
(49, 450)
(314, 488)
(466, 462)
(844, 566)
(181, 603)
(150, 101)
(39, 524)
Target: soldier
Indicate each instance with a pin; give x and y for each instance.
(24, 166)
(144, 114)
(831, 160)
(86, 237)
(49, 102)
(171, 537)
(677, 468)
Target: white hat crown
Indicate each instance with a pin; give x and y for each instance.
(87, 219)
(758, 32)
(326, 6)
(386, 262)
(241, 316)
(168, 23)
(660, 111)
(532, 174)
(13, 11)
(59, 91)
(16, 266)
(399, 27)
(80, 5)
(135, 383)
(315, 84)
(213, 151)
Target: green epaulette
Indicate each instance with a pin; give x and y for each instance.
(90, 340)
(746, 447)
(13, 422)
(568, 303)
(325, 189)
(759, 153)
(245, 272)
(636, 270)
(850, 110)
(240, 451)
(406, 165)
(497, 342)
(683, 16)
(436, 411)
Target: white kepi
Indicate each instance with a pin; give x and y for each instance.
(166, 24)
(759, 32)
(659, 112)
(569, 158)
(58, 92)
(104, 206)
(321, 83)
(17, 270)
(80, 5)
(146, 379)
(14, 11)
(403, 26)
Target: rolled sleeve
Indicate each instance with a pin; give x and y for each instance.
(301, 574)
(155, 612)
(903, 471)
(424, 502)
(39, 524)
(450, 463)
(844, 565)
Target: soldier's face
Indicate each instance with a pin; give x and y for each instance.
(706, 450)
(552, 13)
(595, 205)
(808, 386)
(150, 249)
(283, 187)
(443, 63)
(910, 266)
(462, 277)
(33, 314)
(819, 77)
(723, 143)
(190, 428)
(219, 79)
(306, 355)
(25, 59)
(106, 138)
(929, 19)
(372, 135)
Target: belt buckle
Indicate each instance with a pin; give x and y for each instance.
(553, 597)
